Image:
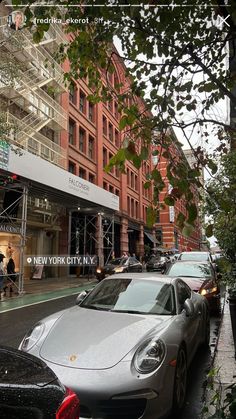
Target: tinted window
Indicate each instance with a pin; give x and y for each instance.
(190, 270)
(132, 295)
(183, 292)
(195, 256)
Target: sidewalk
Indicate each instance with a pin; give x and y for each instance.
(39, 290)
(223, 365)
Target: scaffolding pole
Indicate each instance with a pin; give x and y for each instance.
(23, 238)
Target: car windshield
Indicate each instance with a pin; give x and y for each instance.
(125, 295)
(190, 270)
(201, 257)
(118, 261)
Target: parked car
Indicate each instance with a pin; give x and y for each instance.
(119, 265)
(198, 256)
(125, 349)
(156, 263)
(200, 277)
(30, 389)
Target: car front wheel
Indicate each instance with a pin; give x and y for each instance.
(180, 382)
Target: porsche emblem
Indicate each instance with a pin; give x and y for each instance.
(72, 358)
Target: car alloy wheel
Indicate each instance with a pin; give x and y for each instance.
(180, 383)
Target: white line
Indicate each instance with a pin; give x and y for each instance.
(39, 302)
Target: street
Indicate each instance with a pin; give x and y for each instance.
(15, 323)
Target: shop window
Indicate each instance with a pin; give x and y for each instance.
(91, 147)
(82, 102)
(104, 125)
(72, 167)
(73, 94)
(104, 156)
(82, 173)
(91, 178)
(72, 132)
(91, 113)
(82, 140)
(110, 132)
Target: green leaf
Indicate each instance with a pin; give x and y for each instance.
(188, 230)
(147, 184)
(137, 161)
(212, 166)
(144, 153)
(123, 122)
(192, 213)
(169, 201)
(209, 230)
(156, 175)
(151, 216)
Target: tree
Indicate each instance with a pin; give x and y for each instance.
(221, 206)
(176, 53)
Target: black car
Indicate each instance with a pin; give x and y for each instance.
(29, 389)
(119, 265)
(156, 263)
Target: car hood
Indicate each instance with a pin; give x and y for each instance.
(194, 283)
(89, 339)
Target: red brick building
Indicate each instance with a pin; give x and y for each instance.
(93, 137)
(168, 234)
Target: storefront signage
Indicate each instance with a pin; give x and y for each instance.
(10, 229)
(35, 168)
(4, 155)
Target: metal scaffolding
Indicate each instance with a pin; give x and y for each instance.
(10, 223)
(93, 234)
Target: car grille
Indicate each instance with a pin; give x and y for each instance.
(117, 409)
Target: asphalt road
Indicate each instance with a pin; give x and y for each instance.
(15, 323)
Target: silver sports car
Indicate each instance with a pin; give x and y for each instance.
(125, 348)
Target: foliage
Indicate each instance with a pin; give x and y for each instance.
(176, 53)
(222, 405)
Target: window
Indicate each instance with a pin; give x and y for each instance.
(128, 204)
(111, 189)
(110, 132)
(110, 105)
(104, 125)
(104, 155)
(82, 140)
(117, 138)
(91, 147)
(82, 173)
(136, 209)
(91, 113)
(105, 185)
(117, 192)
(72, 132)
(91, 178)
(132, 208)
(183, 292)
(132, 180)
(82, 102)
(71, 167)
(136, 182)
(117, 173)
(116, 110)
(73, 94)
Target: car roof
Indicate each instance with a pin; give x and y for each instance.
(143, 275)
(194, 251)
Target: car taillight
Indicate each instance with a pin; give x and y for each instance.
(69, 408)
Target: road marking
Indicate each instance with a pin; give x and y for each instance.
(43, 301)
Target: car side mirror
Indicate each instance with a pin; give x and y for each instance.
(189, 307)
(80, 297)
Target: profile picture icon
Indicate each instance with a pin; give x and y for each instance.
(16, 20)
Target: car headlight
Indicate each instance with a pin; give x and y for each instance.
(206, 291)
(119, 269)
(98, 270)
(32, 337)
(149, 356)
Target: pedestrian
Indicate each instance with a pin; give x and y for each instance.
(11, 276)
(2, 274)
